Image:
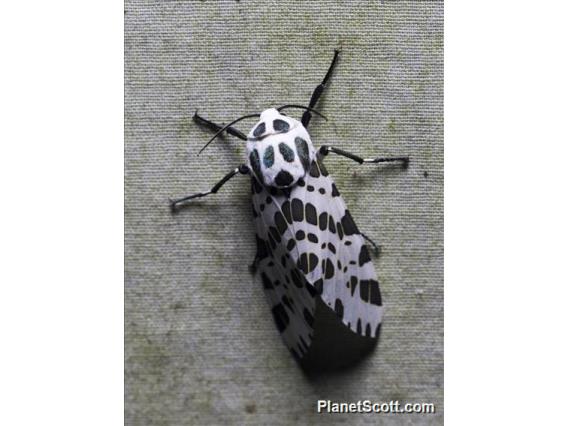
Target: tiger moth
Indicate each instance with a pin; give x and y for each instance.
(312, 260)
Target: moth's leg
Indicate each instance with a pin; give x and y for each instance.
(242, 169)
(324, 150)
(319, 90)
(216, 127)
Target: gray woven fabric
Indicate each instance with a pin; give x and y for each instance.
(200, 343)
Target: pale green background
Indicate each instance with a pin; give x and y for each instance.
(201, 346)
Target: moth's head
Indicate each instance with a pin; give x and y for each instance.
(279, 149)
(272, 122)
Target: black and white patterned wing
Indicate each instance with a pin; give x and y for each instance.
(291, 297)
(345, 276)
(324, 243)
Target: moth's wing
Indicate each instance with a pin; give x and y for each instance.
(350, 284)
(331, 252)
(290, 296)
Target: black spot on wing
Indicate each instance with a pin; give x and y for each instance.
(314, 170)
(275, 234)
(272, 241)
(332, 225)
(359, 326)
(291, 244)
(288, 303)
(310, 188)
(307, 262)
(300, 235)
(283, 178)
(339, 308)
(328, 269)
(281, 317)
(286, 151)
(375, 293)
(303, 153)
(297, 210)
(311, 290)
(301, 182)
(296, 278)
(304, 345)
(319, 286)
(368, 330)
(369, 292)
(261, 249)
(287, 211)
(340, 230)
(334, 191)
(349, 227)
(353, 284)
(313, 238)
(280, 125)
(332, 248)
(266, 283)
(308, 317)
(323, 221)
(311, 214)
(280, 222)
(364, 255)
(321, 191)
(378, 330)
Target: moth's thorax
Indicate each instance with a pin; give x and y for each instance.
(279, 149)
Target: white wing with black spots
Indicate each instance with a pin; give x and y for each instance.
(311, 224)
(290, 296)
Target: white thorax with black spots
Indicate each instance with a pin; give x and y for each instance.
(279, 150)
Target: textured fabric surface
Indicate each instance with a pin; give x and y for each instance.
(200, 343)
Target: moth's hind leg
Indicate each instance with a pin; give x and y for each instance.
(324, 150)
(319, 90)
(216, 127)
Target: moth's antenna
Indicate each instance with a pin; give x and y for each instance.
(303, 107)
(225, 128)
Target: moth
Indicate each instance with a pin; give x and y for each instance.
(313, 261)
